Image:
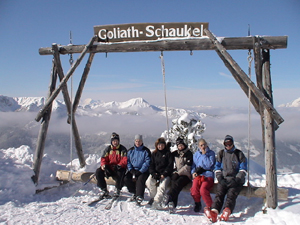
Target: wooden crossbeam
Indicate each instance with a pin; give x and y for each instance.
(243, 76)
(169, 44)
(258, 192)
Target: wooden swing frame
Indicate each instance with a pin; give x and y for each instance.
(261, 94)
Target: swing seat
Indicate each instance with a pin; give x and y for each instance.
(257, 192)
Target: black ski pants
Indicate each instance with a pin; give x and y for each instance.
(232, 194)
(137, 186)
(117, 175)
(177, 184)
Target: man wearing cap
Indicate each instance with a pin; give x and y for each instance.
(138, 161)
(113, 164)
(230, 170)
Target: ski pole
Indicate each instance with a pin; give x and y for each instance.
(84, 184)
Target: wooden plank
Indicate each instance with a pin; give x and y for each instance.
(164, 44)
(258, 192)
(260, 96)
(40, 146)
(64, 81)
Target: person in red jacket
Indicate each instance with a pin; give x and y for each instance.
(113, 164)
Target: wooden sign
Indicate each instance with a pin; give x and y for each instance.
(148, 31)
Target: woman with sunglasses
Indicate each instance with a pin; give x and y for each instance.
(203, 176)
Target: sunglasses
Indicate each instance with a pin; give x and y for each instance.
(228, 144)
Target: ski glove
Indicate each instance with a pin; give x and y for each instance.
(117, 167)
(155, 176)
(137, 173)
(199, 170)
(240, 177)
(175, 176)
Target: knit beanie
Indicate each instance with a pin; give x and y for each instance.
(114, 136)
(179, 141)
(228, 138)
(138, 137)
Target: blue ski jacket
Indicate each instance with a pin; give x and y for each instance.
(138, 158)
(206, 161)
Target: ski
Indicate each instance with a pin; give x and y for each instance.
(109, 205)
(95, 201)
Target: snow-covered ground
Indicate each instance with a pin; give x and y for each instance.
(65, 204)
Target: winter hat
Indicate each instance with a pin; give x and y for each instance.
(138, 137)
(161, 141)
(179, 141)
(114, 136)
(228, 138)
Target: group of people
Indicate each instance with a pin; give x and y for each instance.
(166, 173)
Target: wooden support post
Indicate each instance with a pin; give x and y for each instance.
(40, 146)
(68, 103)
(270, 154)
(82, 81)
(260, 96)
(64, 81)
(258, 72)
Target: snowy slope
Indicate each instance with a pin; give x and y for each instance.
(64, 205)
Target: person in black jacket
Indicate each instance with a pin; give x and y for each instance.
(161, 168)
(181, 176)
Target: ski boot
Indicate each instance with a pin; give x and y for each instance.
(132, 199)
(225, 214)
(197, 207)
(139, 200)
(214, 215)
(104, 194)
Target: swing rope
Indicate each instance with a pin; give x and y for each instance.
(71, 124)
(165, 92)
(250, 59)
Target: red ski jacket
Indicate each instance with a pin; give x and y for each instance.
(114, 156)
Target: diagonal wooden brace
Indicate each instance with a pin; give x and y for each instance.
(259, 95)
(65, 80)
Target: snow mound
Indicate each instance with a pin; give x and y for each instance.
(13, 162)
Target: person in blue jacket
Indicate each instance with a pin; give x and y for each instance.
(204, 161)
(230, 170)
(138, 162)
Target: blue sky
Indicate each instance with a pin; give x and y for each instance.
(200, 79)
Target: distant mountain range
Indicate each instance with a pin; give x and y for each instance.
(96, 119)
(89, 107)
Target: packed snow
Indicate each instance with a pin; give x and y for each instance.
(65, 204)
